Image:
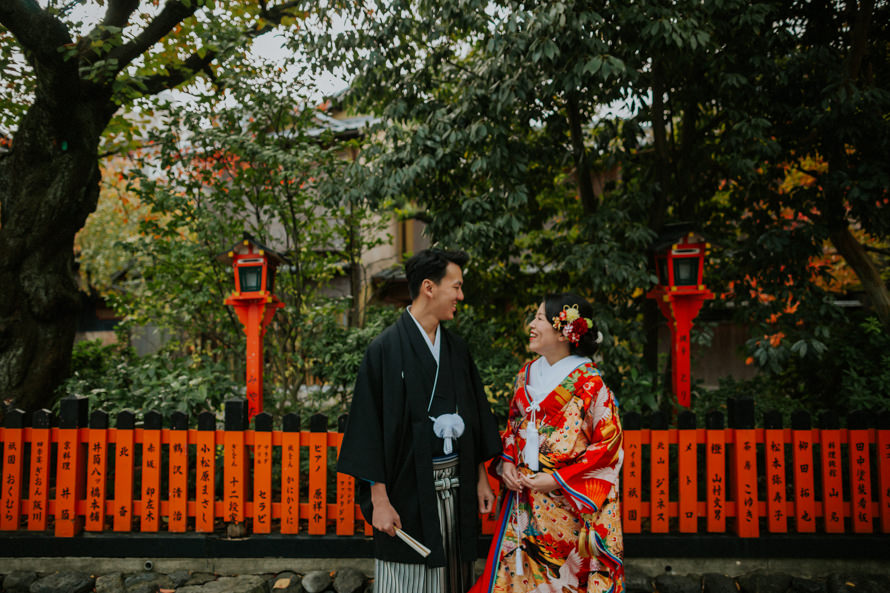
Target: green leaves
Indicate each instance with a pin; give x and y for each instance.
(682, 111)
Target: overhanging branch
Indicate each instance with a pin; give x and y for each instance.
(172, 14)
(197, 62)
(40, 33)
(119, 12)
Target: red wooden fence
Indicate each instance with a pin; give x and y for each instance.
(81, 476)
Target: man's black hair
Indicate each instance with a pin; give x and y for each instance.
(431, 263)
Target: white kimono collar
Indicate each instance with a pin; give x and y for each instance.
(434, 347)
(543, 378)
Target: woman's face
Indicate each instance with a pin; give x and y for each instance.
(542, 338)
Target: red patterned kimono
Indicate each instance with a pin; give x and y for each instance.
(569, 539)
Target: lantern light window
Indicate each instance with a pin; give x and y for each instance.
(686, 271)
(250, 277)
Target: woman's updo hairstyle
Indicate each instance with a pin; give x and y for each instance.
(555, 303)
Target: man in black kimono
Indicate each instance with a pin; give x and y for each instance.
(420, 430)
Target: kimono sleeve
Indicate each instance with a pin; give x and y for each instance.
(361, 453)
(510, 452)
(488, 444)
(588, 481)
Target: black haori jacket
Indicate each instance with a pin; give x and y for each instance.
(389, 436)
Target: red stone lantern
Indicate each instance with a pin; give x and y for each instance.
(680, 293)
(254, 266)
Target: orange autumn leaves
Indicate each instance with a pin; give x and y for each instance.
(827, 271)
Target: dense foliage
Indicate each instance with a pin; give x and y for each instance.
(557, 140)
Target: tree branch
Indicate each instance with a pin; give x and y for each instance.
(196, 63)
(855, 255)
(178, 73)
(877, 250)
(172, 14)
(119, 12)
(40, 33)
(859, 35)
(659, 208)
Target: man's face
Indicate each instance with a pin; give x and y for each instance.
(447, 293)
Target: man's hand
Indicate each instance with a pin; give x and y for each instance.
(510, 475)
(385, 518)
(484, 491)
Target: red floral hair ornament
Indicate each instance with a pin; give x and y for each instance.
(571, 325)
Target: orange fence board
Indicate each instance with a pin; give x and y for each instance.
(882, 445)
(205, 464)
(262, 482)
(38, 494)
(632, 481)
(150, 503)
(68, 480)
(745, 473)
(11, 499)
(687, 468)
(318, 482)
(234, 473)
(290, 482)
(490, 520)
(860, 482)
(177, 477)
(346, 498)
(774, 457)
(659, 517)
(715, 487)
(97, 463)
(123, 479)
(804, 501)
(832, 481)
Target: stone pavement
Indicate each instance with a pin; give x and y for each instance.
(311, 576)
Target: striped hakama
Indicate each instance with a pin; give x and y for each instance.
(457, 575)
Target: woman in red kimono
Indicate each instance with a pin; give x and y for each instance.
(560, 524)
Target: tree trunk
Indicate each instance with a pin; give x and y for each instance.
(49, 184)
(662, 158)
(579, 154)
(651, 313)
(857, 258)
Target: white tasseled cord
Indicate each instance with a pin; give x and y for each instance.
(532, 444)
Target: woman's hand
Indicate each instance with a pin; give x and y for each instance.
(510, 475)
(539, 482)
